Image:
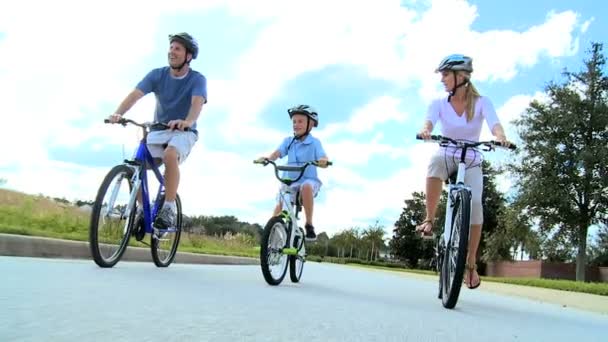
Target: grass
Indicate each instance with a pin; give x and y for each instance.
(555, 284)
(23, 214)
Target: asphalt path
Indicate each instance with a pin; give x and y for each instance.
(74, 300)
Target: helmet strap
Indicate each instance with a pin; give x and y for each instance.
(302, 136)
(453, 91)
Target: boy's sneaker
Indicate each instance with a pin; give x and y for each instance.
(310, 232)
(166, 218)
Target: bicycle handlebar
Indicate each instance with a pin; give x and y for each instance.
(463, 143)
(145, 125)
(278, 168)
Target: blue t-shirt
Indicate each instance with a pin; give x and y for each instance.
(173, 95)
(300, 152)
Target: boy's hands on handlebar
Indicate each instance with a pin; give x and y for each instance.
(323, 162)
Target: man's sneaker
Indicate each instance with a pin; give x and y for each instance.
(166, 218)
(310, 233)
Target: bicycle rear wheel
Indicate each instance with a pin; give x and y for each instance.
(111, 217)
(272, 260)
(166, 241)
(455, 252)
(296, 262)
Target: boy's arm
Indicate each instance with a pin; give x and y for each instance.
(273, 156)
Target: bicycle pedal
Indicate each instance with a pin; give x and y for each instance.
(290, 251)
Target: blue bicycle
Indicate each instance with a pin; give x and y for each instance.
(115, 216)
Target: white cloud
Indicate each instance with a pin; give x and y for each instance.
(84, 62)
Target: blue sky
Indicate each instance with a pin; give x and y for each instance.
(367, 66)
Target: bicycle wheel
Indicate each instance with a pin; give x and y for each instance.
(456, 250)
(272, 260)
(111, 217)
(296, 262)
(165, 243)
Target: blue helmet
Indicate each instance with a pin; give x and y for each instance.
(187, 40)
(456, 62)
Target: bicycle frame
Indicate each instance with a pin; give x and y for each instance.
(140, 163)
(452, 188)
(288, 212)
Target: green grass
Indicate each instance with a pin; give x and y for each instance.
(22, 214)
(555, 284)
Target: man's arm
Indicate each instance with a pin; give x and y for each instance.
(129, 101)
(126, 104)
(196, 107)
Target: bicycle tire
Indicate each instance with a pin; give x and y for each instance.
(275, 233)
(456, 251)
(95, 244)
(159, 261)
(296, 262)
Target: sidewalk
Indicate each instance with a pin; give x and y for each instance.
(40, 247)
(577, 300)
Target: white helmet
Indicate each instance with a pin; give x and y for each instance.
(456, 62)
(306, 110)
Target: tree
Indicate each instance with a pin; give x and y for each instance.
(374, 238)
(406, 244)
(563, 175)
(599, 250)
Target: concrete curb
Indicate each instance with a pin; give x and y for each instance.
(41, 247)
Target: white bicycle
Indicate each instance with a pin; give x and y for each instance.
(283, 241)
(452, 244)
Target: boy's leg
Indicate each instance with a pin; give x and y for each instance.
(308, 191)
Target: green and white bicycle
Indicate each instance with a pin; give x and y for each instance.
(283, 241)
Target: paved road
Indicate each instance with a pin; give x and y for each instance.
(74, 300)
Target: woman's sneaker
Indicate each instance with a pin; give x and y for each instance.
(310, 232)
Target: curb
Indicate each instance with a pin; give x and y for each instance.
(41, 247)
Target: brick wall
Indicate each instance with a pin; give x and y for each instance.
(548, 270)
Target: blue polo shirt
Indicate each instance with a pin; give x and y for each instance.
(301, 152)
(173, 95)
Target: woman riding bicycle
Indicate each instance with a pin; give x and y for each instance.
(461, 115)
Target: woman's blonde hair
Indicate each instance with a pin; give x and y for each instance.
(471, 96)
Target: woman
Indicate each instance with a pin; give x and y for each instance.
(461, 115)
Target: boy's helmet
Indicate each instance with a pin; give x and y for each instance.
(306, 110)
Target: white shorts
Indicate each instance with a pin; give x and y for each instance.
(316, 186)
(441, 166)
(180, 140)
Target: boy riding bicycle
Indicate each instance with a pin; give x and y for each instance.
(301, 148)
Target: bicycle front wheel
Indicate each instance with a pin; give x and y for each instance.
(272, 259)
(166, 241)
(455, 255)
(112, 217)
(296, 262)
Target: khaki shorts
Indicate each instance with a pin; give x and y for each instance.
(442, 165)
(181, 141)
(298, 185)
